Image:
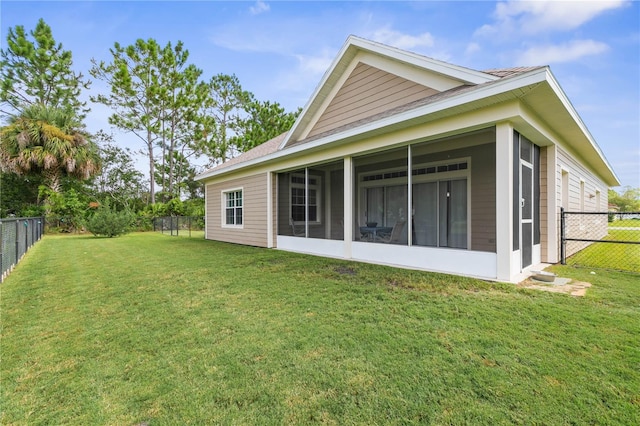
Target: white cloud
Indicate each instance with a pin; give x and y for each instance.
(307, 73)
(315, 64)
(535, 17)
(472, 48)
(567, 52)
(259, 7)
(401, 40)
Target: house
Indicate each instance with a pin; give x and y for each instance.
(409, 161)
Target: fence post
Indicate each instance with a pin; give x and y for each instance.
(563, 236)
(1, 250)
(17, 240)
(26, 235)
(189, 224)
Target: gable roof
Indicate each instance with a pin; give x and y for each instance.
(459, 91)
(429, 72)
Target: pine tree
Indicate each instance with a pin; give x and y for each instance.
(38, 71)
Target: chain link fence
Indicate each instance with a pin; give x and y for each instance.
(63, 224)
(17, 236)
(185, 226)
(601, 240)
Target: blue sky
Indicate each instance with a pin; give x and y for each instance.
(280, 50)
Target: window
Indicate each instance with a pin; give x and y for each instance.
(299, 199)
(233, 208)
(565, 190)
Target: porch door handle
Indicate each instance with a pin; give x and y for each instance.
(522, 202)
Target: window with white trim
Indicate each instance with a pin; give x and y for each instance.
(299, 199)
(233, 207)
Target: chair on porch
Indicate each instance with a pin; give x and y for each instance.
(395, 234)
(295, 230)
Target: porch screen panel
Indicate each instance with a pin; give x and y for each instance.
(292, 203)
(298, 203)
(396, 211)
(312, 206)
(381, 190)
(453, 213)
(395, 205)
(527, 193)
(527, 247)
(516, 191)
(284, 204)
(458, 214)
(375, 205)
(425, 213)
(335, 206)
(536, 194)
(443, 210)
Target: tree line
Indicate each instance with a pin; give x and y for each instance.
(48, 159)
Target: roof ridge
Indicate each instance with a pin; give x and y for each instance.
(509, 71)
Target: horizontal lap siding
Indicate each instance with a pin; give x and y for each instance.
(483, 198)
(584, 227)
(368, 91)
(544, 202)
(592, 183)
(254, 198)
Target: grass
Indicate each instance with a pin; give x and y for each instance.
(185, 233)
(628, 223)
(150, 329)
(618, 256)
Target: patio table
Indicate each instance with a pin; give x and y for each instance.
(372, 231)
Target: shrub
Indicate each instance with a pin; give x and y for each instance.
(108, 222)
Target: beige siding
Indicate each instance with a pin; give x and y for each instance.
(274, 207)
(254, 229)
(483, 198)
(544, 202)
(368, 91)
(587, 227)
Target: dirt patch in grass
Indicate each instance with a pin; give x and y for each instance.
(573, 288)
(345, 270)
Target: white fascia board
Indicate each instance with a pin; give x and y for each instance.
(450, 70)
(526, 79)
(555, 86)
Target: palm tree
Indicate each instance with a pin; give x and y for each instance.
(48, 141)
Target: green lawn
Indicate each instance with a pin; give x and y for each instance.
(184, 233)
(618, 256)
(633, 223)
(149, 329)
